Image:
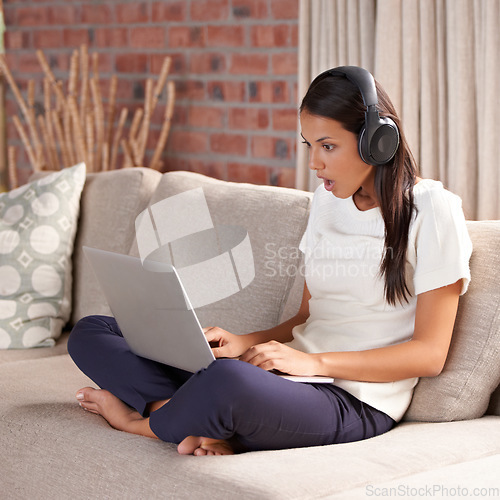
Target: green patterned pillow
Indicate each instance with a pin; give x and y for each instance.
(37, 229)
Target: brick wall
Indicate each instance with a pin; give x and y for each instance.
(234, 67)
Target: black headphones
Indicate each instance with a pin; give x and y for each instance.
(378, 139)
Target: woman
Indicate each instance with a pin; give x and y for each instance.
(386, 259)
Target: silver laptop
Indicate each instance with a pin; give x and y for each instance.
(154, 312)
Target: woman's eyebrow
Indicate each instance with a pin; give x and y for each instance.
(317, 140)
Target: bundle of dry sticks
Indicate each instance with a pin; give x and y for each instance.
(76, 127)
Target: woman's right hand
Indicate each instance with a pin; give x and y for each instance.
(225, 344)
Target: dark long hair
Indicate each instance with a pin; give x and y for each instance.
(335, 97)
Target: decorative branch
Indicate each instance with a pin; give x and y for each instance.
(78, 126)
(12, 168)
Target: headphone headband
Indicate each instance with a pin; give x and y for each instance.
(362, 78)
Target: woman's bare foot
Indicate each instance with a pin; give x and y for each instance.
(199, 446)
(114, 411)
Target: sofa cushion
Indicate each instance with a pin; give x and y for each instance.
(38, 223)
(53, 449)
(275, 219)
(472, 370)
(110, 203)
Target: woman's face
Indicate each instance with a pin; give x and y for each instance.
(333, 154)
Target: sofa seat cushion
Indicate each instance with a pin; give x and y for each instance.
(110, 203)
(275, 219)
(472, 370)
(38, 223)
(54, 449)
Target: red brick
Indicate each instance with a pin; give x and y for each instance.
(285, 63)
(285, 9)
(180, 116)
(226, 91)
(186, 36)
(158, 114)
(105, 62)
(62, 14)
(23, 173)
(15, 40)
(188, 141)
(190, 89)
(206, 116)
(294, 41)
(47, 39)
(76, 37)
(207, 62)
(225, 36)
(178, 63)
(255, 9)
(153, 137)
(124, 90)
(12, 59)
(12, 109)
(216, 169)
(209, 10)
(11, 106)
(271, 147)
(262, 147)
(285, 119)
(96, 14)
(152, 37)
(242, 172)
(230, 144)
(295, 92)
(135, 12)
(167, 12)
(270, 92)
(59, 62)
(131, 63)
(10, 14)
(270, 35)
(32, 16)
(252, 64)
(111, 37)
(248, 118)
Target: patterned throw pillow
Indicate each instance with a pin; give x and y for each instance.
(37, 229)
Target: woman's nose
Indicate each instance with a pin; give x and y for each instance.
(314, 163)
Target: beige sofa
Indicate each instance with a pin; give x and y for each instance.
(447, 445)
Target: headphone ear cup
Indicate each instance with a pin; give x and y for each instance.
(384, 142)
(380, 146)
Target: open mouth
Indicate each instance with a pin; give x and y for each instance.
(328, 184)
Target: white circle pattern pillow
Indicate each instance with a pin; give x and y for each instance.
(37, 230)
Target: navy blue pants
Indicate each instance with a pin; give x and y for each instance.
(230, 399)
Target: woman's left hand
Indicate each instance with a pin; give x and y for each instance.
(274, 355)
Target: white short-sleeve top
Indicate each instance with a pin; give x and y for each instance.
(343, 247)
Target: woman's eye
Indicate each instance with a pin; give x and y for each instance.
(306, 143)
(328, 147)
